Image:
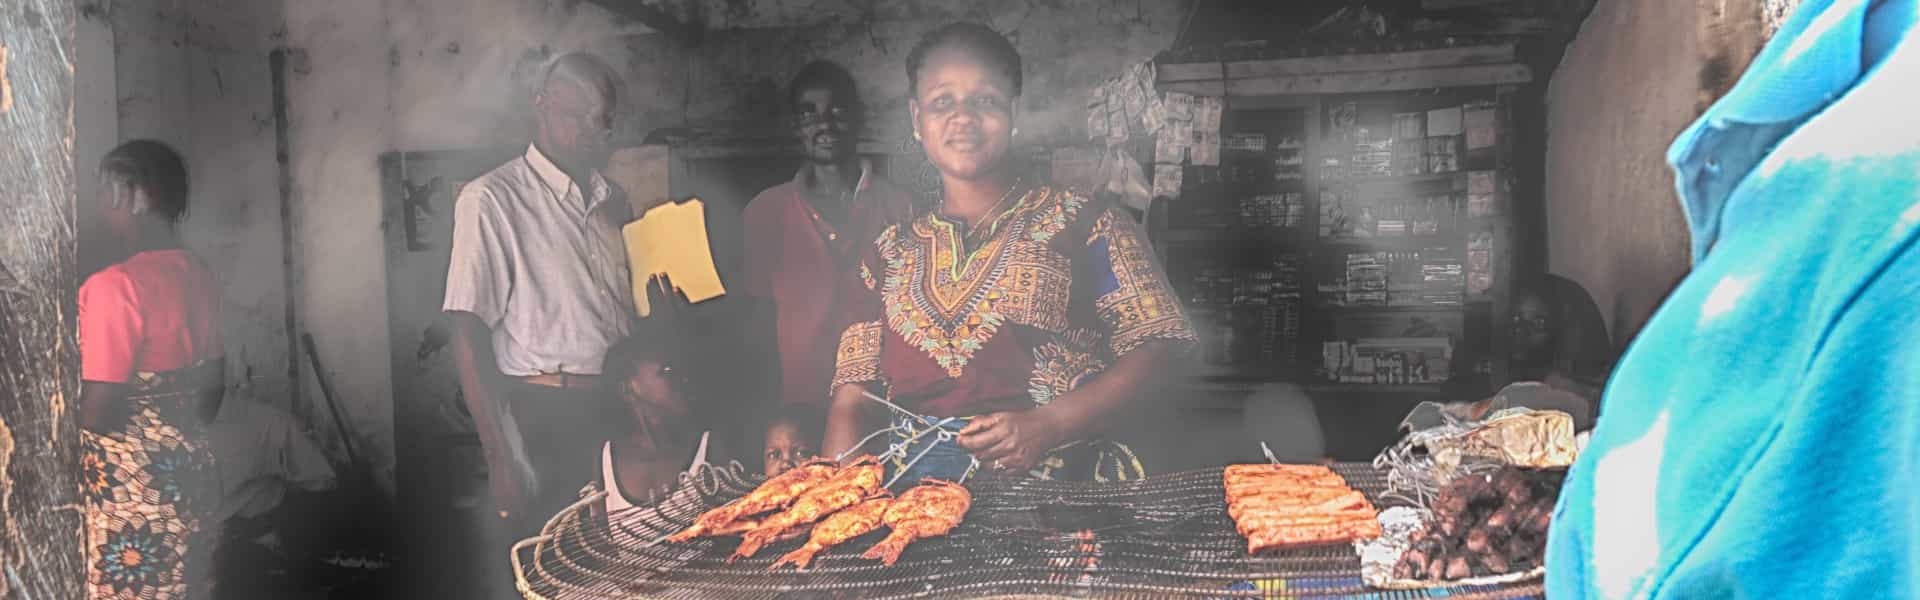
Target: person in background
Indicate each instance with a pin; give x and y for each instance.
(1560, 355)
(804, 237)
(713, 362)
(1023, 315)
(537, 290)
(152, 377)
(792, 435)
(1560, 338)
(658, 431)
(1761, 436)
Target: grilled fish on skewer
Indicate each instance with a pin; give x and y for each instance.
(776, 493)
(853, 522)
(930, 509)
(856, 481)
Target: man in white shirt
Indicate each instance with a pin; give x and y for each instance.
(537, 291)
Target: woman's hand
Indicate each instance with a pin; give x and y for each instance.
(1013, 440)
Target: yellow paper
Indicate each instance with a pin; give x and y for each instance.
(671, 240)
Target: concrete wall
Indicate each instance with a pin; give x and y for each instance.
(194, 75)
(1638, 73)
(435, 74)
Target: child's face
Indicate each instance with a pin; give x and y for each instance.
(786, 448)
(654, 389)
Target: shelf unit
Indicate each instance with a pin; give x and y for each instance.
(1276, 260)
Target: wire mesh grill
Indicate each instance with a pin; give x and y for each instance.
(1161, 537)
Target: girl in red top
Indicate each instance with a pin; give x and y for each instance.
(151, 375)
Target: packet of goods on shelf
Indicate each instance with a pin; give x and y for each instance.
(1480, 131)
(1167, 179)
(1170, 145)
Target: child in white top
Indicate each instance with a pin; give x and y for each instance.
(657, 434)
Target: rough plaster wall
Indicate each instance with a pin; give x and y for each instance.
(194, 75)
(339, 124)
(436, 74)
(1638, 73)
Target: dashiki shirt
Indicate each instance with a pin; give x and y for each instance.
(1035, 302)
(146, 484)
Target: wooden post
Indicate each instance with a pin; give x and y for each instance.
(40, 522)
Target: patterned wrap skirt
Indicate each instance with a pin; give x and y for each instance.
(147, 482)
(942, 457)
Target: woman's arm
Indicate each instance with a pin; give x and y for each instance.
(1019, 439)
(846, 418)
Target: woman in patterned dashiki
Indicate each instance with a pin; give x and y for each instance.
(151, 370)
(1017, 315)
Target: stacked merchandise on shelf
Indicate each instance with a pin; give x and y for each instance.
(1249, 316)
(1333, 215)
(1423, 360)
(1289, 160)
(1404, 278)
(1286, 210)
(1479, 264)
(1442, 279)
(1366, 279)
(1414, 143)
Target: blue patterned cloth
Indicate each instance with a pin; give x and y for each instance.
(1761, 438)
(939, 458)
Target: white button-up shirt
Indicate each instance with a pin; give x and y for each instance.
(541, 265)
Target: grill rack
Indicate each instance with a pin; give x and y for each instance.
(1166, 536)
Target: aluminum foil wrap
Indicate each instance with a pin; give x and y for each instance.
(1516, 436)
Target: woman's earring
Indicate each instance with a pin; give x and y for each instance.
(916, 136)
(1016, 132)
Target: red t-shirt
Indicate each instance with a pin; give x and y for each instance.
(811, 274)
(158, 311)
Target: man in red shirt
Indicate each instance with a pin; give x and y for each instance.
(804, 237)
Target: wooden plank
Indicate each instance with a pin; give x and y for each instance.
(1452, 4)
(1491, 26)
(1387, 61)
(1198, 88)
(1381, 81)
(654, 18)
(1187, 71)
(40, 524)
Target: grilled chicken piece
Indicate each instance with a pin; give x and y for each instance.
(1300, 534)
(855, 482)
(1333, 502)
(855, 521)
(774, 494)
(930, 509)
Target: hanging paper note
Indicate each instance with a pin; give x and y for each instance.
(671, 240)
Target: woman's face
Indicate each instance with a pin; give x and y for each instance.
(786, 448)
(963, 113)
(1532, 328)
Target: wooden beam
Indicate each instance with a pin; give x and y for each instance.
(1359, 82)
(40, 525)
(1492, 26)
(1452, 4)
(654, 17)
(1390, 61)
(1188, 71)
(1340, 63)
